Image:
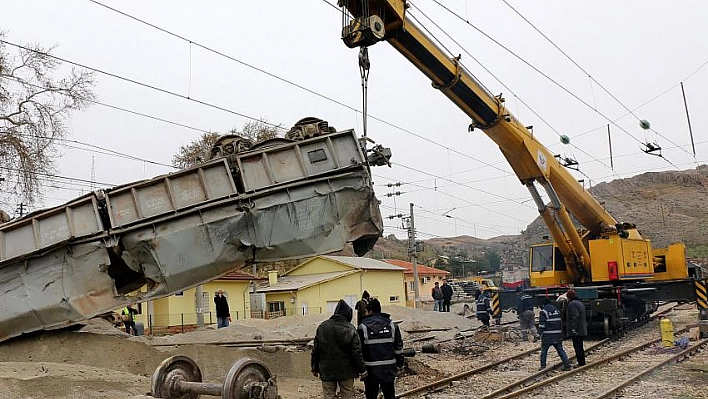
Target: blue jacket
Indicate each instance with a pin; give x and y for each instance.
(483, 307)
(550, 325)
(382, 346)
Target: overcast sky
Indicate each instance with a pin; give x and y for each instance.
(639, 51)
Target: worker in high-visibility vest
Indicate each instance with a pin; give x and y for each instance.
(128, 319)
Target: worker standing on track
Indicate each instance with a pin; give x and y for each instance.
(484, 308)
(576, 325)
(527, 317)
(551, 330)
(383, 352)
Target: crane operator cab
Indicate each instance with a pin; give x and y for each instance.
(547, 266)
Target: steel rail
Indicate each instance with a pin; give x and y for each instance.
(438, 385)
(567, 374)
(686, 352)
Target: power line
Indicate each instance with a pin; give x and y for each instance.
(146, 85)
(542, 74)
(533, 111)
(592, 78)
(76, 179)
(289, 82)
(652, 99)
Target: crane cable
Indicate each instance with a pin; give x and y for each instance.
(364, 66)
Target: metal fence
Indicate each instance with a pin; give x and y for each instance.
(172, 323)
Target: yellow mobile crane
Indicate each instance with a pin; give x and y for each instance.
(615, 268)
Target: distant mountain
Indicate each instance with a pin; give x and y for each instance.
(666, 207)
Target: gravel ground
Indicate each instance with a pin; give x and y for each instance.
(100, 361)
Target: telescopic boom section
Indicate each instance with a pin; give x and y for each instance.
(375, 20)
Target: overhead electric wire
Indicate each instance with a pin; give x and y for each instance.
(146, 85)
(544, 75)
(464, 223)
(647, 101)
(455, 182)
(113, 152)
(289, 82)
(76, 179)
(583, 70)
(464, 49)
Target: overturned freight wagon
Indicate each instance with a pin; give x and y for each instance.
(278, 200)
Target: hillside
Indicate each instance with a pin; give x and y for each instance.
(666, 206)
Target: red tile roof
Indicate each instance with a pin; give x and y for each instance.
(238, 275)
(422, 269)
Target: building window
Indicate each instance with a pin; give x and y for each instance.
(411, 286)
(393, 298)
(425, 280)
(276, 309)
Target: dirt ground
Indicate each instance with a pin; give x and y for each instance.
(100, 361)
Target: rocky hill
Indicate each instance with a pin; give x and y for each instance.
(666, 206)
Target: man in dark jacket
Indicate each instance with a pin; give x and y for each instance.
(437, 295)
(337, 357)
(223, 316)
(551, 330)
(447, 296)
(576, 325)
(361, 306)
(383, 351)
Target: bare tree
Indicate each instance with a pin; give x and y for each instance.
(35, 101)
(195, 152)
(258, 131)
(198, 150)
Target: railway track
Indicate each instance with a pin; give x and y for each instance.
(516, 375)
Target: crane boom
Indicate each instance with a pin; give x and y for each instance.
(375, 20)
(620, 276)
(619, 252)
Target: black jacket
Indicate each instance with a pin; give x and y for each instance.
(337, 353)
(576, 323)
(360, 309)
(446, 291)
(222, 307)
(382, 346)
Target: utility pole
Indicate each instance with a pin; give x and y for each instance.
(412, 251)
(199, 294)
